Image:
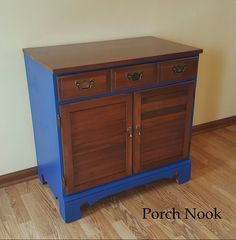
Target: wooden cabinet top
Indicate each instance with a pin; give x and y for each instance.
(84, 56)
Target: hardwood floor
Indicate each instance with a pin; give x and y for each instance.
(28, 210)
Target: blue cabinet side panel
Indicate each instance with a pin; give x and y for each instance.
(44, 117)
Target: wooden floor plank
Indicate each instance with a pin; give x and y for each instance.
(123, 230)
(28, 210)
(17, 205)
(6, 210)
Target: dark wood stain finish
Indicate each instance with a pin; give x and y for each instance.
(85, 56)
(213, 125)
(18, 177)
(176, 70)
(84, 84)
(164, 117)
(146, 75)
(96, 146)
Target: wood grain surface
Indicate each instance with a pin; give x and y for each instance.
(19, 176)
(164, 117)
(168, 69)
(120, 76)
(84, 84)
(76, 57)
(96, 146)
(28, 210)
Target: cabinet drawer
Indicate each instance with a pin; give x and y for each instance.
(83, 84)
(172, 71)
(134, 76)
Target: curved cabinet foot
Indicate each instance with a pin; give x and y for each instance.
(70, 211)
(42, 179)
(184, 174)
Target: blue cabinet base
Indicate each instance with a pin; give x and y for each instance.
(70, 204)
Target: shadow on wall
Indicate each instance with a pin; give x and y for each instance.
(209, 87)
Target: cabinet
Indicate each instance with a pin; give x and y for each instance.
(106, 119)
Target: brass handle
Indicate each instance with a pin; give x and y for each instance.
(135, 76)
(85, 85)
(129, 131)
(179, 69)
(138, 129)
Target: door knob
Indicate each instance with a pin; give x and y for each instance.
(138, 129)
(129, 131)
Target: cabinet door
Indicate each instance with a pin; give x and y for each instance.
(162, 123)
(96, 141)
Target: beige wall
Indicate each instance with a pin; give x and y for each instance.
(208, 24)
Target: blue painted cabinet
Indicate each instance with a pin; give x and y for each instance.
(110, 116)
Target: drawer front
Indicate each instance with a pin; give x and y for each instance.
(83, 84)
(134, 76)
(172, 71)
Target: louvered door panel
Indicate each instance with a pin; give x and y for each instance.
(162, 119)
(96, 146)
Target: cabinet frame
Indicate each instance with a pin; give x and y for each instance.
(44, 70)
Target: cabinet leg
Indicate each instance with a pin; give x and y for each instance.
(184, 174)
(41, 178)
(70, 211)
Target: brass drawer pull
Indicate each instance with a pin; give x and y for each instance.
(135, 76)
(85, 85)
(179, 69)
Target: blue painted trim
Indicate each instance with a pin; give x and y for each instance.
(126, 91)
(44, 117)
(59, 130)
(70, 209)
